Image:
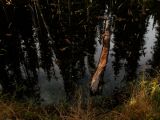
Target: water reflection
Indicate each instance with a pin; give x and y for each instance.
(49, 49)
(19, 63)
(129, 46)
(61, 53)
(154, 61)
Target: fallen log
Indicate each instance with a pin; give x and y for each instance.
(103, 58)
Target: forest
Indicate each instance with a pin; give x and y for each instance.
(79, 59)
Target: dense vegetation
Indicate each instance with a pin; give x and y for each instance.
(39, 35)
(143, 104)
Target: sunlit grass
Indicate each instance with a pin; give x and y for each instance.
(143, 104)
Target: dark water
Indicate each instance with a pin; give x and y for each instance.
(49, 49)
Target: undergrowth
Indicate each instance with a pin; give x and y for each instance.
(143, 104)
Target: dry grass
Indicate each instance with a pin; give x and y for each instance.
(144, 104)
(81, 110)
(20, 111)
(12, 110)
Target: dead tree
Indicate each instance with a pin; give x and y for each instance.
(103, 58)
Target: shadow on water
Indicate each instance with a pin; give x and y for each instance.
(49, 49)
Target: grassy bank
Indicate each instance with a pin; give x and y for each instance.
(143, 104)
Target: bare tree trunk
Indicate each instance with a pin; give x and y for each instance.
(103, 58)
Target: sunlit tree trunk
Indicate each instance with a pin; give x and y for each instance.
(103, 58)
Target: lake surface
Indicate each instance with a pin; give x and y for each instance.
(48, 52)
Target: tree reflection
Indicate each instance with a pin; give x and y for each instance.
(129, 29)
(73, 42)
(38, 34)
(18, 65)
(154, 62)
(31, 32)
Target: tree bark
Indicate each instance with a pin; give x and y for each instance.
(103, 58)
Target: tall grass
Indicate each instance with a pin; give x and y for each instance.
(143, 104)
(77, 110)
(14, 110)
